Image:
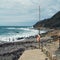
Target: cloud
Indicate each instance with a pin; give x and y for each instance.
(27, 10)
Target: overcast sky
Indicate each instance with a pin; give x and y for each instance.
(25, 12)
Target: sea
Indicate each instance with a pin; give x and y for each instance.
(12, 33)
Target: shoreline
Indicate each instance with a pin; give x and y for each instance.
(14, 39)
(13, 50)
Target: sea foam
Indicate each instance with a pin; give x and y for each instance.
(13, 33)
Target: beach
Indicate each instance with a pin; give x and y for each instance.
(30, 30)
(13, 50)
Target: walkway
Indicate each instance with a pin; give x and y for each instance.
(34, 54)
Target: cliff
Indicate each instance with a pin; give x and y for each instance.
(53, 22)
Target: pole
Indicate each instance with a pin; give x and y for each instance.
(39, 44)
(39, 20)
(39, 27)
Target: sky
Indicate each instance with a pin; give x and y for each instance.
(26, 12)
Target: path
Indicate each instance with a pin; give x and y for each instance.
(34, 54)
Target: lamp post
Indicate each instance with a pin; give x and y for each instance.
(39, 36)
(39, 28)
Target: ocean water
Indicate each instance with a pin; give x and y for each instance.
(10, 33)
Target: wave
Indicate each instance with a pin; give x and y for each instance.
(10, 28)
(23, 32)
(25, 28)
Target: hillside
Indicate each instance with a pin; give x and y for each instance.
(52, 22)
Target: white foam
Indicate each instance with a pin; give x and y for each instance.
(31, 32)
(10, 28)
(26, 29)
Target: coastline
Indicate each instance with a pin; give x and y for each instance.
(13, 50)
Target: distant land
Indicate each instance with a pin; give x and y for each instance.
(53, 22)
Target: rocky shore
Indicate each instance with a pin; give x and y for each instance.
(13, 50)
